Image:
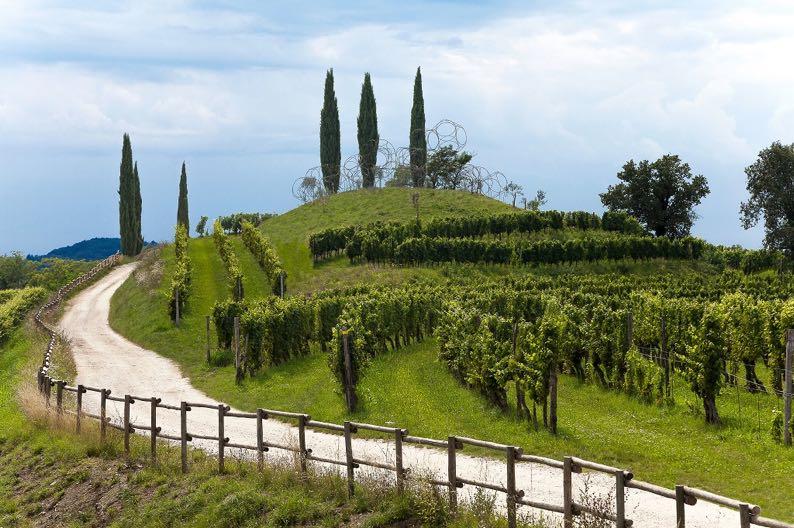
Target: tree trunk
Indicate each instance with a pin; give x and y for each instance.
(710, 407)
(553, 398)
(754, 384)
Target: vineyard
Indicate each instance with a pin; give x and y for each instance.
(668, 334)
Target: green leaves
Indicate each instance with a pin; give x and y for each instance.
(265, 255)
(229, 258)
(180, 280)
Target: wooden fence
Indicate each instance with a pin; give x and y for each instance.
(680, 497)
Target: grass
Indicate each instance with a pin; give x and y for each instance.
(665, 445)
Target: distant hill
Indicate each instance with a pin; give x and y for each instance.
(92, 249)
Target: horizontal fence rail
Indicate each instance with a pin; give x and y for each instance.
(681, 496)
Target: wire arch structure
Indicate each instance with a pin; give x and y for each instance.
(390, 160)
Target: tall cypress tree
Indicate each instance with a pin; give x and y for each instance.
(418, 141)
(182, 217)
(367, 133)
(330, 142)
(126, 199)
(138, 207)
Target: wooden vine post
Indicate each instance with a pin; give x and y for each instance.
(789, 388)
(350, 394)
(238, 371)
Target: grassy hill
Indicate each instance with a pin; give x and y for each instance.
(666, 445)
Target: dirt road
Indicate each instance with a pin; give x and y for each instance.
(106, 359)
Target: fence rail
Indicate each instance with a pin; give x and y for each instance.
(681, 496)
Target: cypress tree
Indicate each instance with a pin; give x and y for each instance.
(330, 142)
(418, 141)
(367, 133)
(182, 217)
(138, 206)
(126, 199)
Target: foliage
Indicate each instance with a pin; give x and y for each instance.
(265, 255)
(15, 271)
(770, 182)
(233, 224)
(129, 202)
(14, 305)
(182, 215)
(181, 278)
(445, 168)
(51, 273)
(705, 359)
(661, 194)
(330, 141)
(417, 145)
(368, 138)
(230, 261)
(202, 226)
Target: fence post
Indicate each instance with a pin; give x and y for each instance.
(79, 415)
(302, 443)
(183, 437)
(398, 459)
(511, 487)
(350, 396)
(154, 429)
(208, 338)
(567, 492)
(680, 506)
(221, 436)
(260, 441)
(620, 499)
(744, 516)
(349, 458)
(789, 388)
(127, 402)
(103, 413)
(452, 472)
(237, 370)
(59, 396)
(47, 391)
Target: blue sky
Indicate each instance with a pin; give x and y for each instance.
(556, 95)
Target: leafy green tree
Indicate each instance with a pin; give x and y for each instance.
(445, 168)
(201, 228)
(770, 182)
(418, 140)
(330, 142)
(661, 194)
(402, 177)
(515, 190)
(704, 363)
(182, 216)
(15, 271)
(368, 138)
(129, 201)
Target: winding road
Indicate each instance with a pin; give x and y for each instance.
(106, 359)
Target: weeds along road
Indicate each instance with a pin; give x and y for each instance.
(105, 359)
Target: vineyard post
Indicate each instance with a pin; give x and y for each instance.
(349, 458)
(103, 411)
(79, 415)
(567, 492)
(208, 337)
(176, 306)
(237, 370)
(789, 386)
(452, 472)
(127, 402)
(350, 396)
(680, 506)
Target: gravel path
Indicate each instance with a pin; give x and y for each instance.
(106, 359)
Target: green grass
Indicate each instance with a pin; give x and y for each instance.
(665, 445)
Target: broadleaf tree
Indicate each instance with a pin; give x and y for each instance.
(368, 138)
(661, 194)
(770, 182)
(330, 137)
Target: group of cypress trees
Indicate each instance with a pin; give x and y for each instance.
(131, 204)
(368, 137)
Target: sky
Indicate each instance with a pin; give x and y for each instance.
(556, 95)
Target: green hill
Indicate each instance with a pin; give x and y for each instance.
(410, 387)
